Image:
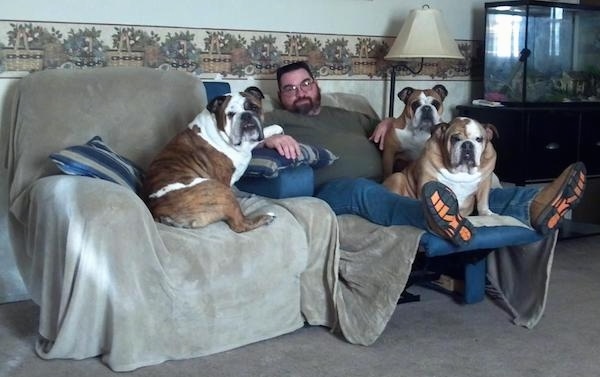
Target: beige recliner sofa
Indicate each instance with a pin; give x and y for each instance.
(111, 282)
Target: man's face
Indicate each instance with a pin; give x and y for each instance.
(299, 93)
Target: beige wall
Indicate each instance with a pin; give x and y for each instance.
(363, 17)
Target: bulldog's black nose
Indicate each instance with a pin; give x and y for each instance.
(467, 153)
(246, 117)
(467, 146)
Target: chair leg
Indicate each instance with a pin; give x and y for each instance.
(469, 267)
(406, 297)
(474, 281)
(420, 274)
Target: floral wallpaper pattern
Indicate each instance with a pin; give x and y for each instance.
(30, 46)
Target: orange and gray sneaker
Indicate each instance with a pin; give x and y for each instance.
(553, 202)
(442, 214)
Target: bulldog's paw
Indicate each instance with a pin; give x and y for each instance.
(245, 224)
(274, 129)
(271, 216)
(486, 212)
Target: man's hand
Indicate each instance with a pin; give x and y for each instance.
(286, 145)
(378, 136)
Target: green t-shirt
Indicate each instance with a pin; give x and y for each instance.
(345, 133)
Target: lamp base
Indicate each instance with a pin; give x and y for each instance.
(392, 91)
(396, 67)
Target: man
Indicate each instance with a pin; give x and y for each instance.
(351, 185)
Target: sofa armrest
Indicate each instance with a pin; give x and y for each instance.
(291, 182)
(63, 211)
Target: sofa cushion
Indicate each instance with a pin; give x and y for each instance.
(96, 159)
(267, 162)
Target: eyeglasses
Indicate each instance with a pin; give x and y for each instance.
(290, 90)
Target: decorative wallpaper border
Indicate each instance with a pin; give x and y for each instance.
(27, 46)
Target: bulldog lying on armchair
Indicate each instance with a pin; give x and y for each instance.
(188, 184)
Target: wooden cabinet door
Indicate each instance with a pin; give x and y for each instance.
(589, 142)
(550, 143)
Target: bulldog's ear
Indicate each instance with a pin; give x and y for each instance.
(439, 129)
(441, 90)
(214, 105)
(491, 131)
(255, 91)
(405, 93)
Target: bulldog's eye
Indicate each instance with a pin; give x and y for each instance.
(415, 105)
(436, 104)
(252, 107)
(479, 139)
(454, 139)
(230, 114)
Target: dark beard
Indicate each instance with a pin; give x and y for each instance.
(305, 105)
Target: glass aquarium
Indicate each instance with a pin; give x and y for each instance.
(541, 52)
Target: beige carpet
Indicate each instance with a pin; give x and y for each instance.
(434, 337)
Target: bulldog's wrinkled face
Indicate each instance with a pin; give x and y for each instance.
(465, 140)
(424, 107)
(239, 116)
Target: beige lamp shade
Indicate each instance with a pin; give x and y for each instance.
(424, 35)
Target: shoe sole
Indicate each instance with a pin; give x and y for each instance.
(568, 197)
(442, 212)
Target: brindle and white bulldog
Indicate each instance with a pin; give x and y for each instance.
(188, 184)
(461, 156)
(404, 142)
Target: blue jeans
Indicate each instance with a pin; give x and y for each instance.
(374, 202)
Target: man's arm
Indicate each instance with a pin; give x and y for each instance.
(378, 136)
(286, 145)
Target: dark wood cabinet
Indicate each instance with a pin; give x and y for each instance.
(537, 143)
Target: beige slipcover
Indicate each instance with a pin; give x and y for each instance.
(111, 282)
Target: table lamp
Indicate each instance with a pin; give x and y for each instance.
(423, 35)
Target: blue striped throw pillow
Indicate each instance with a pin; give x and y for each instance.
(267, 162)
(95, 159)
